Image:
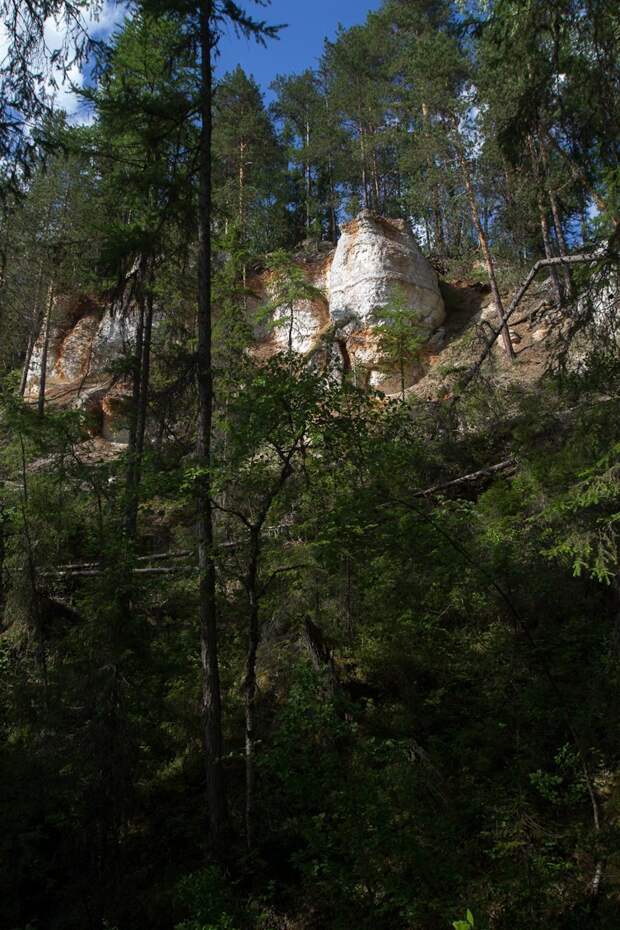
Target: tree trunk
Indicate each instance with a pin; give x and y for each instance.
(250, 686)
(34, 333)
(562, 246)
(308, 180)
(211, 693)
(333, 222)
(241, 185)
(557, 221)
(145, 379)
(544, 228)
(45, 351)
(542, 214)
(139, 412)
(364, 177)
(439, 243)
(131, 507)
(375, 177)
(579, 173)
(244, 267)
(484, 245)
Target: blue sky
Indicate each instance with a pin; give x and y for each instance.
(300, 45)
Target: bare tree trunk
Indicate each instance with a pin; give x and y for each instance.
(563, 248)
(439, 243)
(544, 228)
(131, 507)
(254, 593)
(250, 685)
(145, 379)
(333, 223)
(542, 214)
(35, 606)
(307, 174)
(364, 177)
(139, 412)
(34, 333)
(375, 177)
(45, 351)
(241, 184)
(32, 338)
(427, 233)
(484, 245)
(437, 226)
(585, 226)
(244, 270)
(211, 691)
(557, 220)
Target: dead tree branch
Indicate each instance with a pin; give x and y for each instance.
(516, 300)
(508, 464)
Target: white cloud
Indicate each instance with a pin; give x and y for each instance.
(98, 24)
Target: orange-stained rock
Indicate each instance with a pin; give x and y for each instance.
(375, 258)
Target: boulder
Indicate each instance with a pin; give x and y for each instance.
(375, 259)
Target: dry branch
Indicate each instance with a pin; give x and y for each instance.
(516, 300)
(506, 465)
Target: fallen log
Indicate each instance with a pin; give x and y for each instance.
(506, 465)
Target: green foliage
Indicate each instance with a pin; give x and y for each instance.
(466, 924)
(400, 334)
(435, 711)
(288, 285)
(207, 896)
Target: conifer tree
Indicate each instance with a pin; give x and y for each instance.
(248, 162)
(311, 134)
(206, 21)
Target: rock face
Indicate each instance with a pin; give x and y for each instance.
(84, 340)
(375, 260)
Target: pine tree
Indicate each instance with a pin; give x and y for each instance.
(248, 162)
(143, 133)
(312, 137)
(355, 68)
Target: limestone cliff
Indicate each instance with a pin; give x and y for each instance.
(374, 258)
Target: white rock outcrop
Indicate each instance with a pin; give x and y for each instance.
(376, 258)
(84, 340)
(375, 261)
